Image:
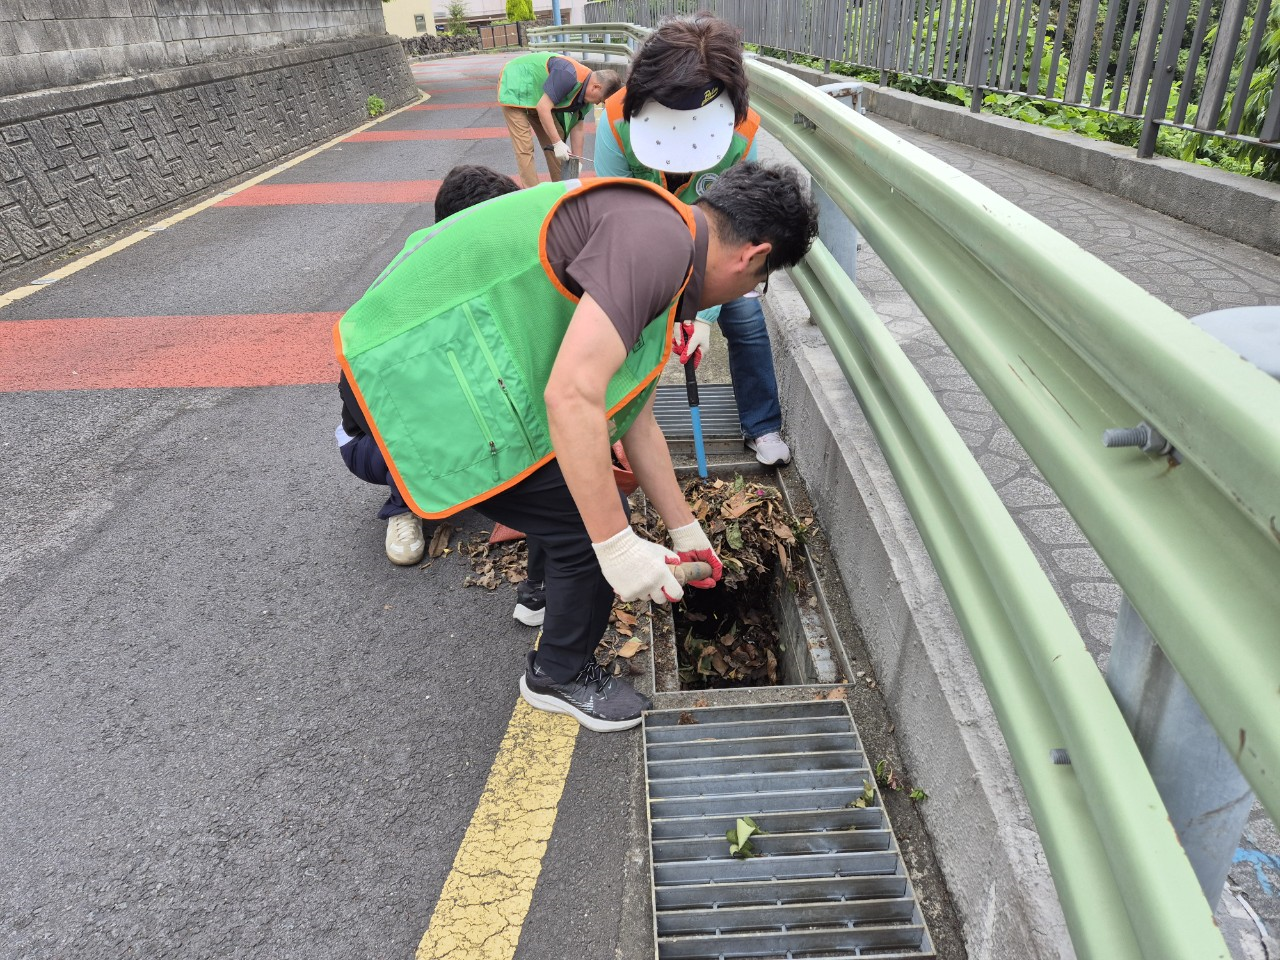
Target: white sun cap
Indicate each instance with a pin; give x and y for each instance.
(687, 136)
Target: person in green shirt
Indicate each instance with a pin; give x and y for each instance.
(546, 96)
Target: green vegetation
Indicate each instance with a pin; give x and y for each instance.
(375, 105)
(1045, 109)
(739, 837)
(518, 10)
(455, 23)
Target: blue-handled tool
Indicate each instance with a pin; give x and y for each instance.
(691, 386)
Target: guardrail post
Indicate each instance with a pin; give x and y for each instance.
(836, 232)
(1207, 797)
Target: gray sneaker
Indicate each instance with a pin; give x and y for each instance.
(770, 449)
(595, 699)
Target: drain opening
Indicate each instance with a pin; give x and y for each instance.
(761, 626)
(731, 638)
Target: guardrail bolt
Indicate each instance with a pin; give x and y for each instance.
(1143, 435)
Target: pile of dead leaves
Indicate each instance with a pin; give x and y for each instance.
(494, 564)
(727, 637)
(505, 563)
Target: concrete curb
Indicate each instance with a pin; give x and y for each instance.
(983, 836)
(1236, 207)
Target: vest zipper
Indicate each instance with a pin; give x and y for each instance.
(497, 375)
(475, 410)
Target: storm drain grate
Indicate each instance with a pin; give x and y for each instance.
(827, 880)
(721, 431)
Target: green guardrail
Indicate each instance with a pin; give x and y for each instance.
(1063, 347)
(615, 39)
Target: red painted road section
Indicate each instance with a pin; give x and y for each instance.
(240, 350)
(430, 86)
(101, 353)
(462, 133)
(280, 194)
(469, 105)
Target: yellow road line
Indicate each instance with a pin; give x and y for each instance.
(487, 893)
(88, 260)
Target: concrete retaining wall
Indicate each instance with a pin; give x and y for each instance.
(76, 162)
(1239, 208)
(57, 43)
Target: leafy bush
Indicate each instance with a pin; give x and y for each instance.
(375, 105)
(518, 10)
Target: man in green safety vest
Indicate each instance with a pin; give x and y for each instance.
(546, 96)
(505, 348)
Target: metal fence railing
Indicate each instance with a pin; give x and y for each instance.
(1210, 66)
(1063, 347)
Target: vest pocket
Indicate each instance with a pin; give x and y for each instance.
(450, 409)
(485, 431)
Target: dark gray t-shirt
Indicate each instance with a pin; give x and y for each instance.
(630, 250)
(561, 78)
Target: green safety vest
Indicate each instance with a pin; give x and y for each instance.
(450, 350)
(521, 85)
(744, 135)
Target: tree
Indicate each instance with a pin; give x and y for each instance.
(456, 19)
(518, 10)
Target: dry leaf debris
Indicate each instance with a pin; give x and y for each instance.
(727, 636)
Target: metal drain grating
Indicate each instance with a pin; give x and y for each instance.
(827, 880)
(721, 431)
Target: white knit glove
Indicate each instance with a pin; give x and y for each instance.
(637, 568)
(691, 341)
(690, 541)
(561, 150)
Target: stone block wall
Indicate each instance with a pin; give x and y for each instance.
(58, 43)
(76, 162)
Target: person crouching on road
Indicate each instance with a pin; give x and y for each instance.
(504, 350)
(546, 96)
(681, 121)
(465, 186)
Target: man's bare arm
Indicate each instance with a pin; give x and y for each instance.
(650, 460)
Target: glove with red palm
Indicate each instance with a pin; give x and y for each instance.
(691, 543)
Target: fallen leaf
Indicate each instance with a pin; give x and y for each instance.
(631, 648)
(440, 540)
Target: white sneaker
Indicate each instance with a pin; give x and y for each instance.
(404, 539)
(770, 449)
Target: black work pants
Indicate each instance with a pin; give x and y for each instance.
(579, 598)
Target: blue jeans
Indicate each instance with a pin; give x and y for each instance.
(755, 387)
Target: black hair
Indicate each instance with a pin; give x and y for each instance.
(468, 184)
(687, 53)
(758, 203)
